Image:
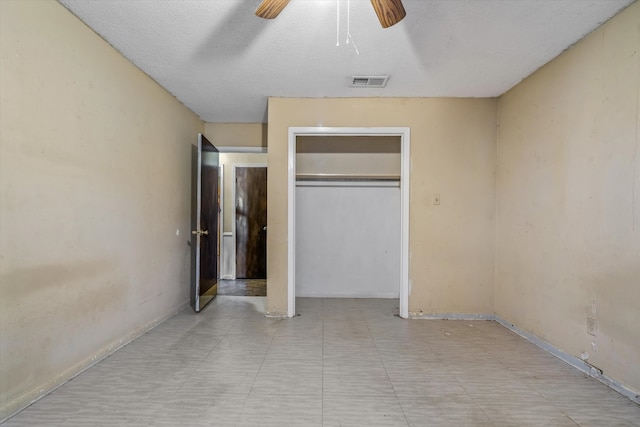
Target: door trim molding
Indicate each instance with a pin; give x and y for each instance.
(405, 143)
(221, 274)
(233, 200)
(234, 149)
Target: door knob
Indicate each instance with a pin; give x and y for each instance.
(200, 232)
(264, 228)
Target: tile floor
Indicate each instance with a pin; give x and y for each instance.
(243, 287)
(342, 362)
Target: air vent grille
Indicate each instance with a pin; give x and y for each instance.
(369, 81)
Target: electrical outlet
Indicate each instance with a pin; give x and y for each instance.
(592, 326)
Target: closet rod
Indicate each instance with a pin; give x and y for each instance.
(345, 177)
(348, 183)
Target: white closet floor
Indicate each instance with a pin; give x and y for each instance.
(342, 362)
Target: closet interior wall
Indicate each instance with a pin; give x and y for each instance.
(348, 216)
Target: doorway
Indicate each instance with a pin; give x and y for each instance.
(243, 287)
(233, 161)
(251, 222)
(348, 216)
(403, 237)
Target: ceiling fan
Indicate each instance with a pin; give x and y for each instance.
(389, 12)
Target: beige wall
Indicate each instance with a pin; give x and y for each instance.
(348, 155)
(236, 134)
(452, 154)
(347, 144)
(568, 192)
(94, 183)
(362, 164)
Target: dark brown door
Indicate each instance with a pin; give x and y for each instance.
(251, 222)
(204, 223)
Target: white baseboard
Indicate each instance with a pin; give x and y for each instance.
(451, 316)
(576, 362)
(277, 315)
(354, 296)
(29, 398)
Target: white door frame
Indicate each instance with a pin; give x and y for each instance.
(220, 218)
(405, 142)
(233, 200)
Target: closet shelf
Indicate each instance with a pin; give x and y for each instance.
(345, 177)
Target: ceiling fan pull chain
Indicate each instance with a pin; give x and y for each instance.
(348, 20)
(349, 36)
(337, 22)
(355, 46)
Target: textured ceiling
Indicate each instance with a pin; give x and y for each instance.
(222, 61)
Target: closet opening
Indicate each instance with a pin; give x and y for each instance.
(348, 214)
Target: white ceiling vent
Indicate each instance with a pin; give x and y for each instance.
(369, 81)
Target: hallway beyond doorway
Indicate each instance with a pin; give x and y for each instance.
(243, 287)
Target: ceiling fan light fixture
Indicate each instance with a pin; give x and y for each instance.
(389, 12)
(269, 9)
(369, 81)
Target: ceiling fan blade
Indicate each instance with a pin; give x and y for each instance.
(389, 12)
(269, 9)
